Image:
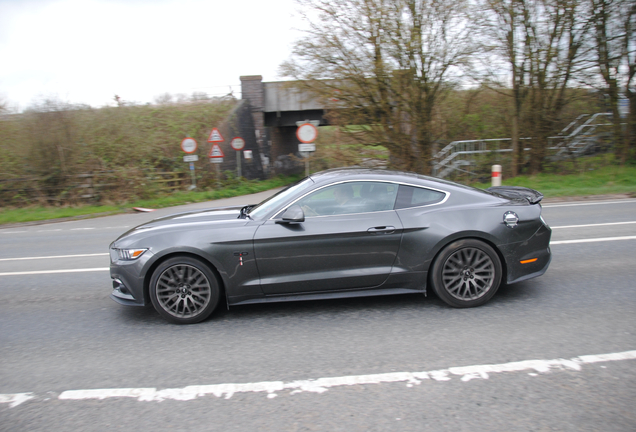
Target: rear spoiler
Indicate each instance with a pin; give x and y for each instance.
(516, 192)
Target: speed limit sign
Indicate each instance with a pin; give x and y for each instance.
(189, 145)
(237, 143)
(307, 133)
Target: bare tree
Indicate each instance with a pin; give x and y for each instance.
(5, 106)
(542, 42)
(500, 22)
(164, 99)
(387, 63)
(615, 48)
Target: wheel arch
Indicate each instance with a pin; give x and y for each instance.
(156, 263)
(472, 236)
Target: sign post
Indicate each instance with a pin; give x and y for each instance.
(238, 144)
(216, 157)
(307, 133)
(189, 145)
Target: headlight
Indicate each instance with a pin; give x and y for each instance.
(544, 222)
(130, 254)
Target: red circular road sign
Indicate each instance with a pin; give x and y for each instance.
(189, 145)
(307, 133)
(237, 143)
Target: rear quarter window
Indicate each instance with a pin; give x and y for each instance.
(411, 196)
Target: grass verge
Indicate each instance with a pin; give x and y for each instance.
(597, 181)
(236, 188)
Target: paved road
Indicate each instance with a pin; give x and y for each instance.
(72, 359)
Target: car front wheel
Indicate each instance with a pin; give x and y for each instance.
(184, 290)
(466, 273)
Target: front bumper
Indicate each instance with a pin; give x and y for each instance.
(121, 294)
(128, 279)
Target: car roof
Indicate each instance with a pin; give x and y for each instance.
(352, 174)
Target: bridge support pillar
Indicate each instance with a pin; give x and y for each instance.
(252, 90)
(284, 150)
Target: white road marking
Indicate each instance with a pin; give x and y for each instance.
(592, 240)
(574, 204)
(54, 271)
(321, 385)
(593, 225)
(552, 243)
(68, 229)
(583, 203)
(15, 399)
(54, 256)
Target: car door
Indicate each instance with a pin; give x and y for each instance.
(345, 246)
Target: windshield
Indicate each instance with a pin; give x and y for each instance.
(271, 203)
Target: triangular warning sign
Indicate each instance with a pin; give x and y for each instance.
(215, 136)
(216, 152)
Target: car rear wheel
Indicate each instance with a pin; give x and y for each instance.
(184, 290)
(466, 273)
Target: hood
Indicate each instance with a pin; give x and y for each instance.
(218, 214)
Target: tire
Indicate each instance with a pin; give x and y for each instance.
(184, 290)
(466, 273)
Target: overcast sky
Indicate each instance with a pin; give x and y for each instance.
(87, 51)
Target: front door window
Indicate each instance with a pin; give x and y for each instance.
(350, 198)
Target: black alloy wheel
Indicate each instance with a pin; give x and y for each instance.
(466, 273)
(184, 290)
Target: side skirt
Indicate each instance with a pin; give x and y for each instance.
(329, 295)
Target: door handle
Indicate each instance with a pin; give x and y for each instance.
(381, 230)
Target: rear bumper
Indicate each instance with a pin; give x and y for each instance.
(532, 275)
(528, 259)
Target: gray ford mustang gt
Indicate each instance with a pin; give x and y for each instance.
(337, 233)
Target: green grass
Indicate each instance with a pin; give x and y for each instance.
(596, 181)
(29, 214)
(593, 181)
(245, 187)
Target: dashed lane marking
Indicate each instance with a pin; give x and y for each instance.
(552, 243)
(573, 204)
(583, 203)
(54, 257)
(2, 231)
(593, 225)
(54, 271)
(592, 240)
(321, 385)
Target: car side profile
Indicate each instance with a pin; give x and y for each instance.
(335, 234)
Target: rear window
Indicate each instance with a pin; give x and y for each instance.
(411, 196)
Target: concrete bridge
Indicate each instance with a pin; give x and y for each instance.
(275, 108)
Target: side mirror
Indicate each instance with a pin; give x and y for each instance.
(293, 214)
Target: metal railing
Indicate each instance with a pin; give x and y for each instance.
(574, 140)
(582, 137)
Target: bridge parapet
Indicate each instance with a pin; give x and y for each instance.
(283, 96)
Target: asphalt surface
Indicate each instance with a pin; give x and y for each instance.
(72, 359)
